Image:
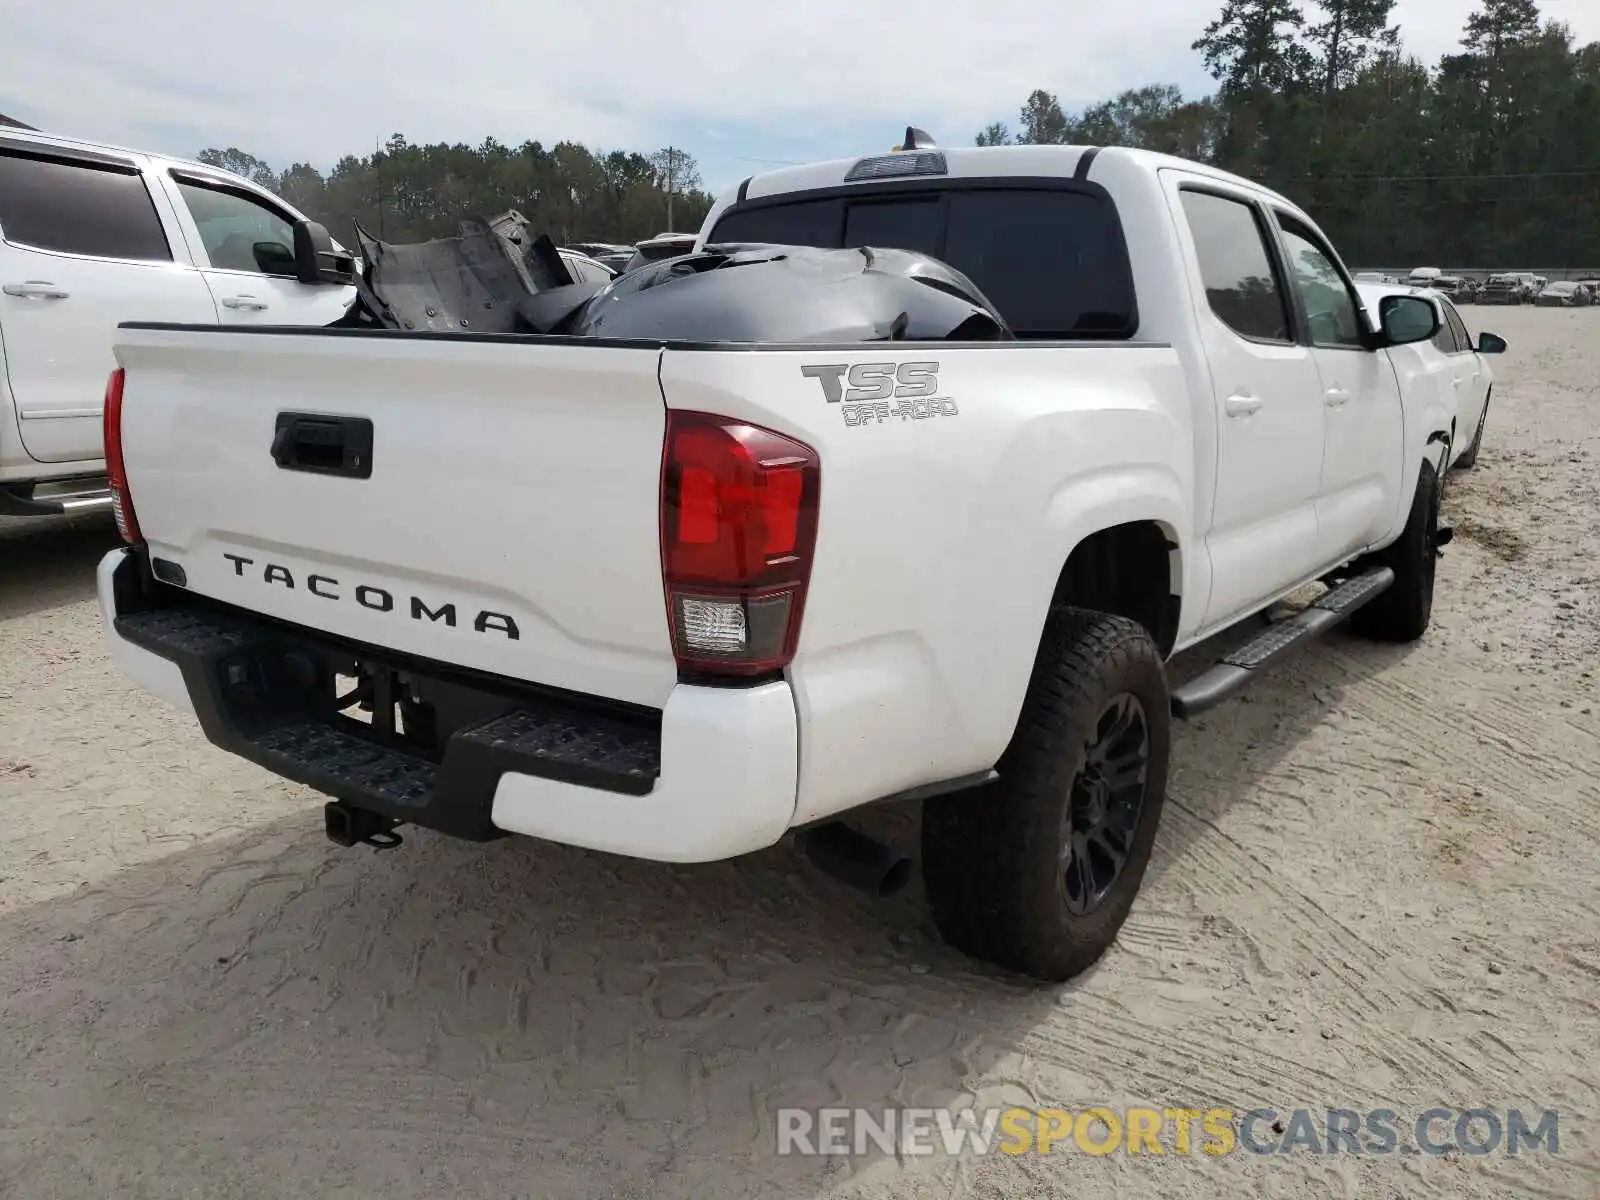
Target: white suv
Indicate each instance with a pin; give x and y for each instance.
(91, 236)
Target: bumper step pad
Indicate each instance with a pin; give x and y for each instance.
(241, 677)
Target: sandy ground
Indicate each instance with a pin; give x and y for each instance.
(1375, 886)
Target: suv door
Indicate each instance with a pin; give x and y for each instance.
(1363, 422)
(82, 248)
(246, 241)
(1268, 403)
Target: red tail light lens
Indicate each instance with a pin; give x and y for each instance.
(116, 469)
(738, 527)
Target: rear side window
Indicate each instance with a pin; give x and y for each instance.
(1235, 269)
(79, 208)
(1052, 260)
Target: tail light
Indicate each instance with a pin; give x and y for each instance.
(738, 527)
(116, 469)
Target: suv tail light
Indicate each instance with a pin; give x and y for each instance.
(738, 527)
(116, 469)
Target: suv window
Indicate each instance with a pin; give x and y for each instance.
(1457, 326)
(1237, 273)
(232, 225)
(79, 208)
(1052, 260)
(1331, 311)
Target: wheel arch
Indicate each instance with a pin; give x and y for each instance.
(1132, 569)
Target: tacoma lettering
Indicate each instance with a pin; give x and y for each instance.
(377, 599)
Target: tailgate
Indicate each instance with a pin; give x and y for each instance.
(509, 522)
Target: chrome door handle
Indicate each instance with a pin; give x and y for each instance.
(1240, 406)
(1336, 397)
(35, 289)
(245, 303)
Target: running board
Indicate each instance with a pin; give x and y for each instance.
(55, 500)
(1231, 674)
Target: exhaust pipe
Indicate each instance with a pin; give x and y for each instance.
(348, 826)
(854, 858)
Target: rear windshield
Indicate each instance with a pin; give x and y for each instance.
(1052, 261)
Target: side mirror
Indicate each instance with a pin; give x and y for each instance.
(317, 259)
(1407, 319)
(1490, 343)
(274, 258)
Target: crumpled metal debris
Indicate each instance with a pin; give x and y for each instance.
(495, 276)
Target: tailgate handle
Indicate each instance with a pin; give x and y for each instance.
(323, 445)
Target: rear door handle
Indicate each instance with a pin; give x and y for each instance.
(35, 289)
(245, 303)
(1336, 397)
(1240, 405)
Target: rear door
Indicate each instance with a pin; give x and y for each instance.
(84, 247)
(1267, 397)
(242, 238)
(1363, 423)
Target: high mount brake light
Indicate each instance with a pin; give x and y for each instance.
(738, 528)
(116, 469)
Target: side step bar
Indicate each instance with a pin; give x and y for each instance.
(76, 497)
(1212, 687)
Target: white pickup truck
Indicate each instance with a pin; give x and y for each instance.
(673, 599)
(92, 235)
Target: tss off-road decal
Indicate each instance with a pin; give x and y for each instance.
(871, 393)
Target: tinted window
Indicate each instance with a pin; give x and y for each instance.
(1329, 307)
(1052, 261)
(804, 223)
(232, 225)
(57, 205)
(1457, 327)
(1241, 287)
(897, 224)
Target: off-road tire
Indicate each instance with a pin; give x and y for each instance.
(992, 857)
(1469, 457)
(1402, 612)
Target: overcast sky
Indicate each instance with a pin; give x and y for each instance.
(740, 85)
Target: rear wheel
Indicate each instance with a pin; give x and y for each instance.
(1469, 457)
(1036, 872)
(1402, 612)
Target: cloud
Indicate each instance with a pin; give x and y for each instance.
(314, 79)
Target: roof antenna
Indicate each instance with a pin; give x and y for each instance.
(917, 139)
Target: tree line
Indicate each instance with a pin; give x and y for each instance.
(404, 192)
(1490, 157)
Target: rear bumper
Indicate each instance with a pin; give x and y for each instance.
(711, 776)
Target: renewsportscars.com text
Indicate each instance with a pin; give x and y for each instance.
(1213, 1132)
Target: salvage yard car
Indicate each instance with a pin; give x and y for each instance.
(1564, 294)
(1452, 366)
(671, 591)
(92, 235)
